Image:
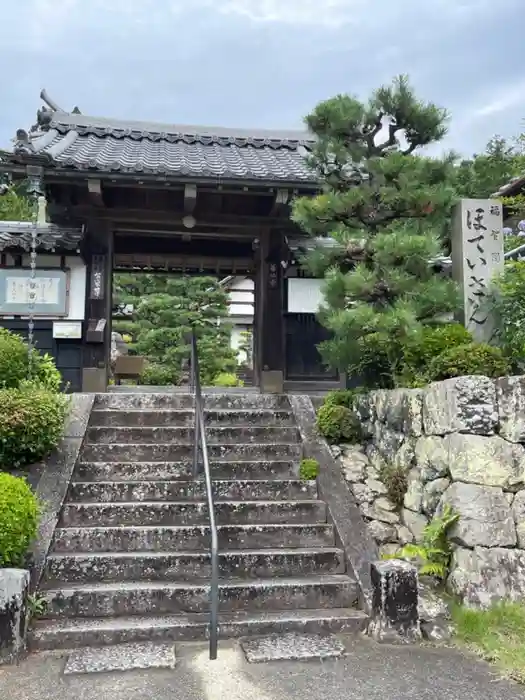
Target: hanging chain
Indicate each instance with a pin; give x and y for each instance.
(34, 190)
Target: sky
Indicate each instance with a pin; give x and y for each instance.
(262, 63)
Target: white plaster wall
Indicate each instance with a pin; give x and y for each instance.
(77, 282)
(241, 297)
(305, 296)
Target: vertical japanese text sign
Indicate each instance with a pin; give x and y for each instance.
(477, 257)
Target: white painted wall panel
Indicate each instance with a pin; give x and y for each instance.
(304, 295)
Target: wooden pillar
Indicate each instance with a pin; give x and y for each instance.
(269, 313)
(98, 253)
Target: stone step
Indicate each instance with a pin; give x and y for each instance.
(188, 513)
(129, 452)
(237, 490)
(186, 417)
(168, 471)
(63, 569)
(145, 401)
(185, 436)
(196, 538)
(70, 633)
(149, 598)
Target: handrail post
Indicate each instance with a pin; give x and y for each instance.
(200, 444)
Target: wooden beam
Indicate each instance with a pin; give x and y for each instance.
(280, 202)
(95, 192)
(190, 198)
(168, 218)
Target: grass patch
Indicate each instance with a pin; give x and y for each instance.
(497, 635)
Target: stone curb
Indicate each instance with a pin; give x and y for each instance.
(359, 547)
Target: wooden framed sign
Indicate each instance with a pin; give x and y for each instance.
(51, 292)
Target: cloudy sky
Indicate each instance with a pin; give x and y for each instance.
(262, 63)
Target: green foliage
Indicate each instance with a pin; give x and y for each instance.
(394, 477)
(36, 606)
(18, 520)
(308, 469)
(509, 306)
(342, 397)
(227, 380)
(483, 174)
(467, 359)
(433, 552)
(338, 424)
(158, 375)
(14, 206)
(386, 207)
(31, 424)
(246, 347)
(14, 364)
(496, 634)
(166, 308)
(419, 351)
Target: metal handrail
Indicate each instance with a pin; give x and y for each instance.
(201, 447)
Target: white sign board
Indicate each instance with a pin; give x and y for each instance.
(477, 257)
(304, 295)
(45, 289)
(67, 329)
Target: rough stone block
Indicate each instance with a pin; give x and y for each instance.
(415, 522)
(432, 494)
(484, 576)
(121, 657)
(394, 614)
(14, 587)
(292, 647)
(518, 510)
(465, 404)
(487, 461)
(431, 457)
(510, 392)
(485, 517)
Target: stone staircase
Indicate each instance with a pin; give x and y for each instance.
(130, 558)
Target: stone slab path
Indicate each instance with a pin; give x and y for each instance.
(368, 671)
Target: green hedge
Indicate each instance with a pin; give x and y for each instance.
(470, 358)
(14, 364)
(18, 520)
(338, 423)
(31, 424)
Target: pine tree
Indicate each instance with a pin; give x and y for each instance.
(165, 309)
(386, 208)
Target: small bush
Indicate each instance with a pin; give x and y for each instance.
(227, 380)
(395, 480)
(31, 424)
(471, 358)
(14, 364)
(418, 352)
(309, 469)
(18, 519)
(342, 397)
(158, 375)
(338, 424)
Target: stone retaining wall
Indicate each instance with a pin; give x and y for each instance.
(462, 442)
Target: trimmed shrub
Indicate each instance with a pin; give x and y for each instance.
(227, 380)
(419, 352)
(18, 520)
(471, 358)
(159, 375)
(338, 423)
(342, 397)
(14, 364)
(308, 469)
(31, 424)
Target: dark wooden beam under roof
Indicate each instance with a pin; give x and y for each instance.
(144, 216)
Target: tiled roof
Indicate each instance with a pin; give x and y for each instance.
(76, 141)
(17, 234)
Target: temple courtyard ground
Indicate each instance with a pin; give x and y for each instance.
(369, 671)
